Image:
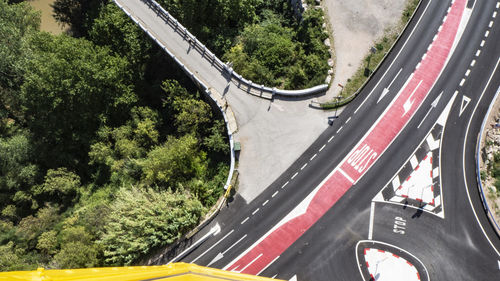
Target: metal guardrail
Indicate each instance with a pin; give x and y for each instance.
(200, 84)
(478, 171)
(242, 83)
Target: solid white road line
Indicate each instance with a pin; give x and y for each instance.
(463, 158)
(402, 48)
(268, 266)
(372, 216)
(234, 244)
(258, 257)
(213, 231)
(215, 244)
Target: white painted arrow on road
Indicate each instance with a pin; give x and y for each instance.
(409, 102)
(386, 90)
(433, 105)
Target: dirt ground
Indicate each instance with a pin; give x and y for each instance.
(356, 25)
(492, 198)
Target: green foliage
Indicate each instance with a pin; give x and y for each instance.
(93, 145)
(114, 29)
(273, 54)
(176, 161)
(71, 86)
(78, 14)
(142, 219)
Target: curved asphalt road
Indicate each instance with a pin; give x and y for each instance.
(453, 248)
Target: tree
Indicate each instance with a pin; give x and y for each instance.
(142, 219)
(70, 88)
(176, 161)
(78, 14)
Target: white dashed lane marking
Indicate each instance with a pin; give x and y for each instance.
(283, 186)
(322, 147)
(294, 175)
(331, 138)
(302, 168)
(314, 156)
(245, 220)
(274, 194)
(255, 212)
(264, 204)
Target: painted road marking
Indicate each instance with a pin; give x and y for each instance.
(314, 156)
(283, 186)
(467, 72)
(346, 175)
(394, 60)
(462, 82)
(331, 138)
(234, 244)
(215, 244)
(463, 156)
(322, 147)
(491, 24)
(464, 104)
(482, 43)
(245, 220)
(372, 216)
(478, 53)
(274, 194)
(255, 212)
(399, 225)
(264, 204)
(487, 33)
(379, 137)
(348, 119)
(494, 14)
(294, 175)
(268, 266)
(473, 62)
(302, 168)
(340, 129)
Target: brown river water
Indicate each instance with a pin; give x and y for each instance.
(48, 22)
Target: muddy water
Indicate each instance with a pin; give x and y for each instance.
(48, 22)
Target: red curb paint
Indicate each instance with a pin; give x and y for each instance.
(381, 251)
(405, 196)
(367, 265)
(431, 160)
(409, 263)
(365, 251)
(432, 188)
(416, 168)
(418, 275)
(418, 199)
(362, 157)
(396, 256)
(432, 202)
(408, 178)
(400, 187)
